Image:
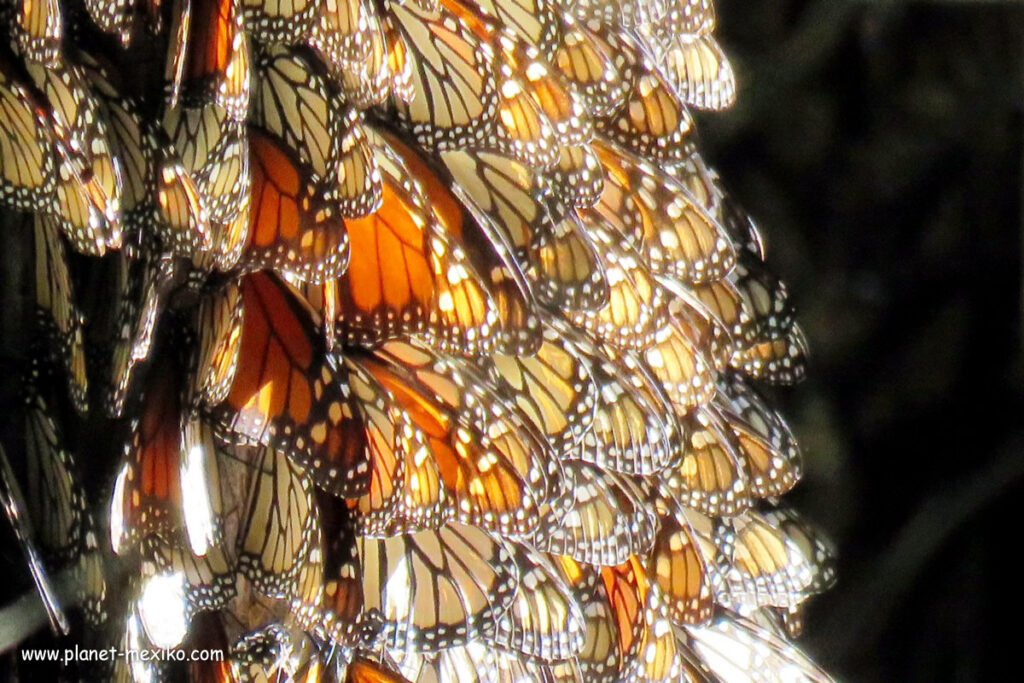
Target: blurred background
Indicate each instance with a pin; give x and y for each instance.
(880, 146)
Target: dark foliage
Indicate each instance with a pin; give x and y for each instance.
(881, 146)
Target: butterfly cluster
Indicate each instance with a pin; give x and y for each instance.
(384, 340)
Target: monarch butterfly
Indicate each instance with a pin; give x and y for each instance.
(406, 577)
(625, 591)
(227, 242)
(76, 209)
(405, 492)
(27, 170)
(812, 543)
(736, 220)
(576, 177)
(600, 657)
(453, 60)
(636, 307)
(218, 323)
(765, 298)
(775, 361)
(544, 621)
(337, 585)
(406, 276)
(675, 359)
(131, 142)
(496, 468)
(343, 31)
(56, 504)
(275, 652)
(550, 91)
(385, 70)
(767, 566)
(565, 268)
(279, 21)
(524, 132)
(278, 523)
(181, 221)
(291, 228)
(770, 449)
(58, 313)
(112, 16)
(496, 482)
(288, 392)
(209, 580)
(728, 318)
(158, 195)
(142, 286)
(92, 584)
(635, 430)
(87, 201)
(208, 57)
(704, 184)
(36, 28)
(537, 113)
(297, 103)
(737, 647)
(536, 240)
(504, 189)
(359, 189)
(213, 150)
(713, 476)
(645, 633)
(202, 497)
(488, 250)
(643, 204)
(147, 491)
(555, 388)
(255, 655)
(306, 607)
(590, 67)
(681, 564)
(700, 72)
(609, 521)
(293, 101)
(653, 121)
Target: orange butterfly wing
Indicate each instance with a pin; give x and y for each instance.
(288, 393)
(147, 492)
(362, 670)
(407, 274)
(291, 229)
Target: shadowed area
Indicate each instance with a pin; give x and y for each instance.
(880, 146)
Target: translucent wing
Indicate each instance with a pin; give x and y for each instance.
(277, 523)
(435, 589)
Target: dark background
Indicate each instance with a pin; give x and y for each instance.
(880, 146)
